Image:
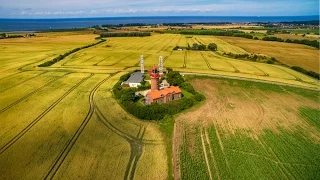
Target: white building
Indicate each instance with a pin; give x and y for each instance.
(134, 80)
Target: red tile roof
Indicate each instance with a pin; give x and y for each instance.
(164, 92)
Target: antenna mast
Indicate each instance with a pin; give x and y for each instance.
(160, 65)
(142, 63)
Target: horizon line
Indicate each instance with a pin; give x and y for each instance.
(160, 16)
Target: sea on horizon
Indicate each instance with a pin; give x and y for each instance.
(8, 25)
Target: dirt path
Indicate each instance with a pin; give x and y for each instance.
(211, 153)
(205, 155)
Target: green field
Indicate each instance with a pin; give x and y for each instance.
(62, 122)
(249, 130)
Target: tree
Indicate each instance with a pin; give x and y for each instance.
(127, 94)
(2, 36)
(174, 78)
(169, 69)
(212, 47)
(195, 46)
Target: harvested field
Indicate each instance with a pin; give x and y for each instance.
(290, 54)
(248, 130)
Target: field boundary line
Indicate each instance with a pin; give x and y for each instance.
(64, 153)
(211, 153)
(249, 79)
(35, 121)
(205, 154)
(26, 80)
(31, 93)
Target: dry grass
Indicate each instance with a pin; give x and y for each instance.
(290, 54)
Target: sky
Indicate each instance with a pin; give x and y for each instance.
(120, 8)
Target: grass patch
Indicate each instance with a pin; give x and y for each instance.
(311, 115)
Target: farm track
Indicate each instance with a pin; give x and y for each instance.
(23, 82)
(35, 121)
(97, 64)
(235, 69)
(147, 43)
(298, 79)
(63, 154)
(121, 59)
(165, 58)
(11, 75)
(167, 44)
(211, 153)
(176, 44)
(206, 60)
(137, 64)
(206, 155)
(265, 74)
(30, 94)
(185, 59)
(221, 145)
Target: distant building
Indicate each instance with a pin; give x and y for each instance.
(134, 80)
(164, 95)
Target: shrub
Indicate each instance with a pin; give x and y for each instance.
(199, 97)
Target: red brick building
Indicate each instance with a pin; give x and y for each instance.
(164, 95)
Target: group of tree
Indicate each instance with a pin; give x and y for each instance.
(234, 33)
(123, 25)
(313, 43)
(155, 111)
(309, 73)
(125, 34)
(62, 56)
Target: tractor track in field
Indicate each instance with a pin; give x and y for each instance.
(211, 153)
(166, 57)
(147, 43)
(64, 153)
(185, 59)
(265, 74)
(26, 80)
(136, 143)
(121, 59)
(30, 94)
(221, 146)
(166, 44)
(206, 155)
(176, 44)
(97, 64)
(11, 75)
(206, 60)
(236, 70)
(36, 120)
(137, 64)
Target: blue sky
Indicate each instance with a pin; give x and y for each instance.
(111, 8)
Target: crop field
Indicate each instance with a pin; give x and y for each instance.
(290, 54)
(61, 122)
(248, 130)
(123, 54)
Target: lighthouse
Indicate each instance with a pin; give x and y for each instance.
(154, 79)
